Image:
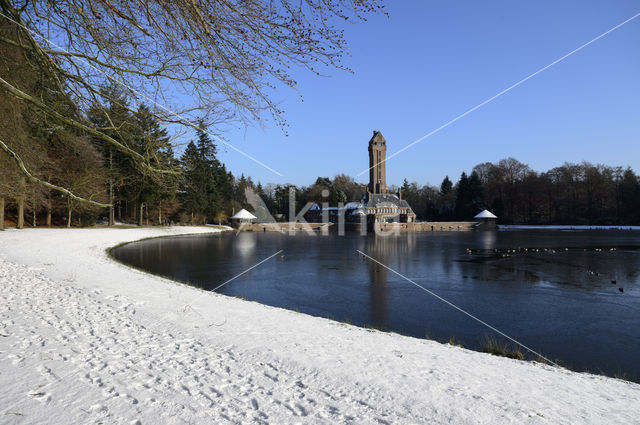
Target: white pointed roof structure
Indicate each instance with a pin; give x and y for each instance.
(486, 214)
(243, 215)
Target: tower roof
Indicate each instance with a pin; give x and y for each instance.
(377, 138)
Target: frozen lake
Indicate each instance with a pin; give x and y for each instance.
(558, 291)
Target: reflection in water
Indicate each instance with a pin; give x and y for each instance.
(245, 244)
(488, 240)
(560, 301)
(377, 248)
(386, 250)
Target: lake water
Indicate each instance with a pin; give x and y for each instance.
(560, 302)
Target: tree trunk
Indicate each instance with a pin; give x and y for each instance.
(112, 212)
(140, 216)
(69, 217)
(49, 212)
(112, 219)
(160, 214)
(1, 213)
(33, 209)
(20, 201)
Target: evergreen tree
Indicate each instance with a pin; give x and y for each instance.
(117, 121)
(153, 143)
(192, 197)
(206, 183)
(446, 186)
(630, 197)
(337, 196)
(463, 197)
(469, 196)
(476, 194)
(447, 201)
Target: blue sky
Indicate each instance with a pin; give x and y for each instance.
(430, 61)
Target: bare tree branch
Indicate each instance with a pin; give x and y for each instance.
(73, 123)
(34, 179)
(225, 54)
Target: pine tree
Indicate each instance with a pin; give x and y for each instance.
(206, 183)
(153, 143)
(463, 197)
(469, 196)
(117, 121)
(191, 196)
(630, 197)
(446, 186)
(476, 191)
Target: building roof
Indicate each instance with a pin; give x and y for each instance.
(485, 214)
(347, 206)
(352, 205)
(243, 215)
(375, 200)
(378, 199)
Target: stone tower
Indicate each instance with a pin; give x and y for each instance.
(377, 167)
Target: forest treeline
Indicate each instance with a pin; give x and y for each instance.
(204, 191)
(569, 194)
(577, 194)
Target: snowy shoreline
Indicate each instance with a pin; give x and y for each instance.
(84, 339)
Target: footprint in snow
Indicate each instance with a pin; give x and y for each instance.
(41, 396)
(131, 399)
(98, 408)
(301, 410)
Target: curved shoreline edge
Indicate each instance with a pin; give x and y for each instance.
(108, 251)
(260, 360)
(506, 350)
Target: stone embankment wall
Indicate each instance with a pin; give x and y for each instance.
(432, 226)
(280, 227)
(426, 226)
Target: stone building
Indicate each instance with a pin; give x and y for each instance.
(381, 206)
(377, 205)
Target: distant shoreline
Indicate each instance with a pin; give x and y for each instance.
(562, 227)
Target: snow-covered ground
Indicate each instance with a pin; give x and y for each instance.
(84, 339)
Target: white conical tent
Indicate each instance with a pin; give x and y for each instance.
(243, 215)
(486, 214)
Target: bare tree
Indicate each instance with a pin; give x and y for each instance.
(210, 59)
